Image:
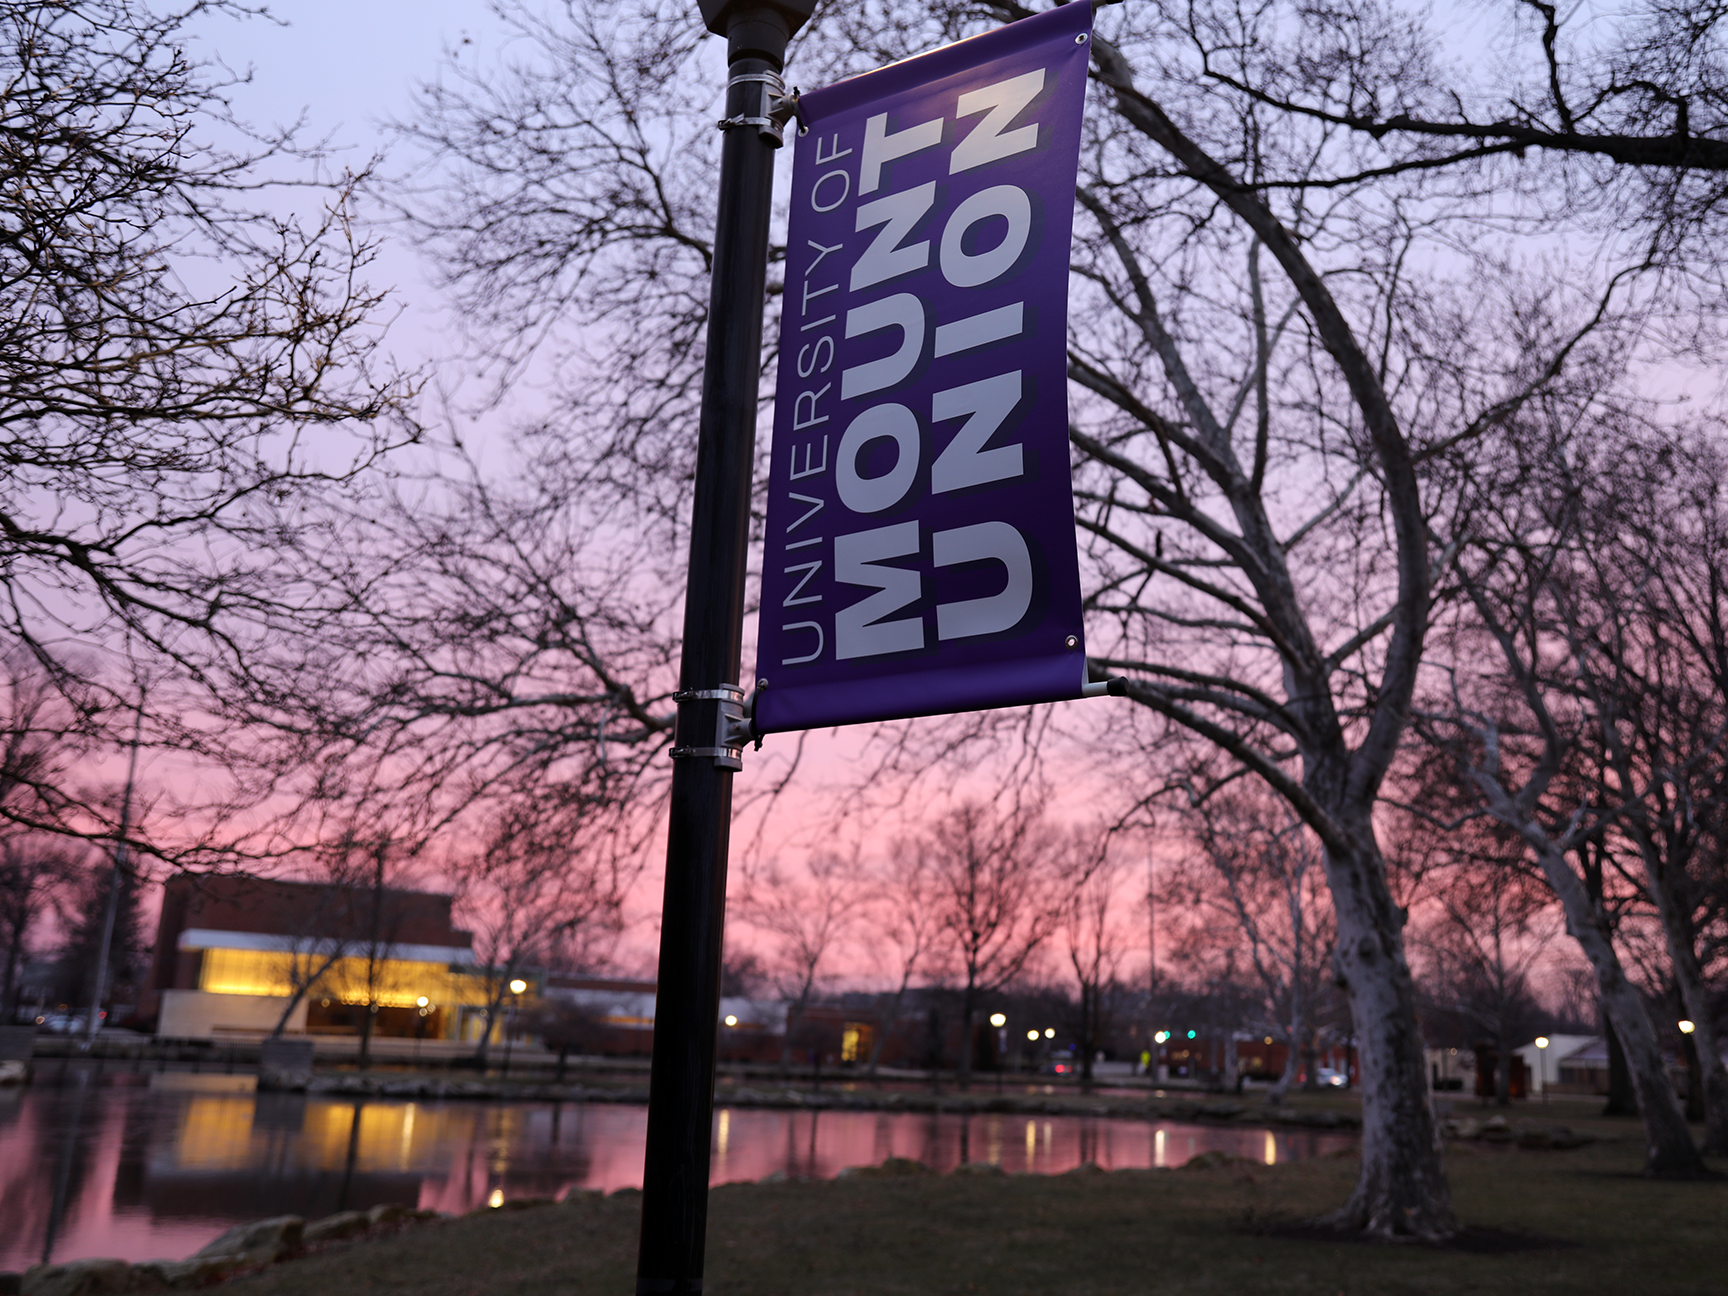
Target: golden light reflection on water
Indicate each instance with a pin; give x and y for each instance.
(219, 1132)
(502, 1125)
(216, 1132)
(198, 1152)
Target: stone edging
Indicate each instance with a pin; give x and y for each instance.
(242, 1249)
(247, 1248)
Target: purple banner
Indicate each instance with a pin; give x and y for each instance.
(920, 550)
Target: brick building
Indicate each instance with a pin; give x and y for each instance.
(233, 950)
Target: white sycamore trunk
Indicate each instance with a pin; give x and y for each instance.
(1696, 996)
(1403, 1190)
(1669, 1150)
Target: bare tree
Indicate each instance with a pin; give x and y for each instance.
(1633, 102)
(1540, 733)
(1648, 628)
(335, 923)
(46, 731)
(1256, 883)
(167, 336)
(494, 637)
(43, 738)
(1483, 947)
(1272, 367)
(1093, 939)
(805, 916)
(33, 873)
(536, 891)
(901, 920)
(999, 887)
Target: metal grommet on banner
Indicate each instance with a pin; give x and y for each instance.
(1080, 39)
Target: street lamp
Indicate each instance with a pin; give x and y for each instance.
(1686, 1027)
(516, 987)
(1542, 1066)
(998, 1020)
(711, 730)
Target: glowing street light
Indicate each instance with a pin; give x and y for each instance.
(998, 1020)
(1542, 1065)
(731, 1020)
(1032, 1034)
(422, 1001)
(518, 986)
(1050, 1033)
(1686, 1027)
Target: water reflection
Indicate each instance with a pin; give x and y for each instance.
(141, 1171)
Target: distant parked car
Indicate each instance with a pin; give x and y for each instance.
(1330, 1078)
(60, 1024)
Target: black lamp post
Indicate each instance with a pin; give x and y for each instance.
(712, 729)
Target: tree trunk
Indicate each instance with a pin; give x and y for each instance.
(1402, 1191)
(300, 992)
(967, 1008)
(287, 1012)
(1709, 1076)
(1089, 1032)
(1280, 1089)
(886, 1021)
(483, 1048)
(1694, 1080)
(11, 993)
(1669, 1151)
(365, 1059)
(786, 1042)
(1622, 1101)
(1502, 1071)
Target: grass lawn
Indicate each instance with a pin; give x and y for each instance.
(1539, 1221)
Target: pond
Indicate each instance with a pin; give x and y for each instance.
(159, 1166)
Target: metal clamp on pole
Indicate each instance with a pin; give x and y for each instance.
(774, 110)
(731, 726)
